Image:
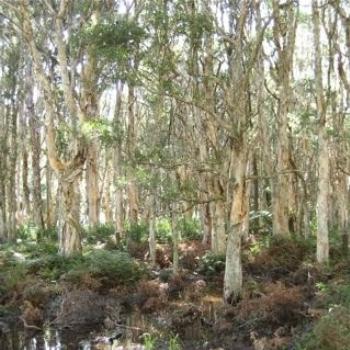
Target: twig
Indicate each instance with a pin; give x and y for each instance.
(129, 327)
(26, 325)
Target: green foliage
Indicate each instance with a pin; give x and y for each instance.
(99, 233)
(64, 135)
(174, 343)
(109, 267)
(165, 275)
(149, 341)
(190, 228)
(11, 276)
(211, 264)
(335, 295)
(52, 267)
(33, 250)
(27, 231)
(101, 129)
(331, 332)
(195, 24)
(163, 229)
(6, 310)
(112, 40)
(137, 232)
(48, 234)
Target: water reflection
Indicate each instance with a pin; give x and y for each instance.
(50, 339)
(95, 338)
(53, 339)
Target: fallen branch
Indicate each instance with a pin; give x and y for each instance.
(26, 325)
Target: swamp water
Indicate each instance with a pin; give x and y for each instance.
(77, 338)
(96, 338)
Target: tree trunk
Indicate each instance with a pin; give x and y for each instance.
(92, 179)
(238, 213)
(50, 207)
(152, 232)
(107, 201)
(117, 167)
(175, 241)
(343, 207)
(11, 188)
(25, 185)
(207, 222)
(322, 199)
(69, 233)
(218, 241)
(34, 125)
(323, 182)
(131, 143)
(283, 192)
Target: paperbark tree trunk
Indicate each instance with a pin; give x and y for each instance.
(323, 181)
(238, 213)
(132, 191)
(343, 207)
(152, 232)
(219, 237)
(175, 241)
(283, 191)
(117, 166)
(13, 154)
(322, 199)
(69, 233)
(68, 172)
(35, 139)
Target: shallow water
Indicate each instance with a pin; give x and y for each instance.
(54, 339)
(95, 338)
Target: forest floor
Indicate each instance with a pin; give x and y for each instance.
(288, 301)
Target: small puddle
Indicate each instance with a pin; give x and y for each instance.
(95, 338)
(77, 338)
(54, 339)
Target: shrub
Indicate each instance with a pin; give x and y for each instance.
(283, 255)
(12, 277)
(163, 230)
(37, 250)
(211, 264)
(331, 332)
(27, 231)
(174, 343)
(49, 233)
(190, 228)
(99, 233)
(149, 341)
(111, 268)
(137, 232)
(333, 295)
(51, 267)
(277, 305)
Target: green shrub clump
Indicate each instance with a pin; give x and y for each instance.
(52, 267)
(109, 267)
(331, 332)
(99, 233)
(190, 228)
(211, 264)
(137, 232)
(163, 230)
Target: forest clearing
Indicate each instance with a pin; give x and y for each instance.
(174, 174)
